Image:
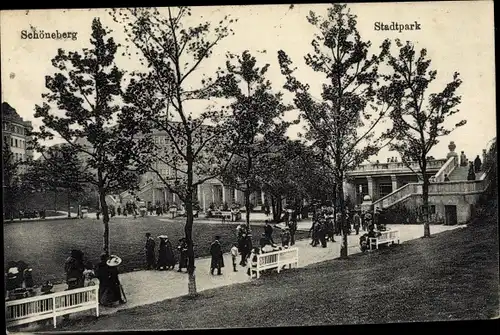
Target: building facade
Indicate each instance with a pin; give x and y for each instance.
(211, 193)
(380, 179)
(15, 133)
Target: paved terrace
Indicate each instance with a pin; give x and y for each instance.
(146, 287)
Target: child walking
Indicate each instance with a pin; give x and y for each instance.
(234, 254)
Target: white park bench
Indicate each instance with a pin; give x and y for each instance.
(22, 311)
(275, 260)
(222, 214)
(386, 237)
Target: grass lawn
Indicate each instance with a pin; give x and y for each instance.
(452, 276)
(45, 245)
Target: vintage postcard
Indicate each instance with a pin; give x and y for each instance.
(249, 166)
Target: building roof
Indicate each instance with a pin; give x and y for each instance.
(10, 114)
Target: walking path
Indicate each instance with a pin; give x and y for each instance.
(147, 287)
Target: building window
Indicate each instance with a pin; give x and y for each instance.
(15, 141)
(384, 189)
(11, 142)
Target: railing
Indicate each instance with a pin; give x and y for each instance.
(52, 305)
(276, 259)
(397, 166)
(441, 188)
(447, 168)
(398, 195)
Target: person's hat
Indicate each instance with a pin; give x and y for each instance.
(163, 237)
(114, 260)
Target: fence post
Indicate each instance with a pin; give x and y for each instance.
(54, 311)
(297, 257)
(278, 260)
(96, 292)
(258, 266)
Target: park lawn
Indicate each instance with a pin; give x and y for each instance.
(45, 245)
(452, 276)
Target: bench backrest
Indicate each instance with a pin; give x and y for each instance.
(388, 235)
(47, 306)
(274, 258)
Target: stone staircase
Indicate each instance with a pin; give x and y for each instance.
(460, 173)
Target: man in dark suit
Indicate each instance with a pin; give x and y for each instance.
(150, 251)
(217, 257)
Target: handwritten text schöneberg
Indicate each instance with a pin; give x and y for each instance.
(396, 26)
(46, 35)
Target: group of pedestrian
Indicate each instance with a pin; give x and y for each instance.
(325, 225)
(80, 273)
(166, 258)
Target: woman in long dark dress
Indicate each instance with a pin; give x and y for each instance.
(166, 258)
(114, 289)
(170, 256)
(102, 273)
(183, 254)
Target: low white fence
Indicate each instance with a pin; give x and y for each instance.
(276, 260)
(386, 237)
(52, 305)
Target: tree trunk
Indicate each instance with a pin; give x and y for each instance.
(188, 230)
(279, 207)
(343, 223)
(247, 204)
(273, 206)
(69, 203)
(55, 200)
(105, 219)
(425, 200)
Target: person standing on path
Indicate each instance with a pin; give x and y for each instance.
(285, 237)
(162, 254)
(183, 259)
(244, 243)
(234, 255)
(268, 230)
(217, 261)
(477, 164)
(150, 252)
(357, 222)
(102, 274)
(293, 230)
(115, 289)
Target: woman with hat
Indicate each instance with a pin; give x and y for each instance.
(114, 282)
(166, 258)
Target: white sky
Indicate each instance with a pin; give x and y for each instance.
(459, 36)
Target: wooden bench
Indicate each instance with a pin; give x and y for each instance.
(52, 305)
(275, 260)
(386, 237)
(222, 214)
